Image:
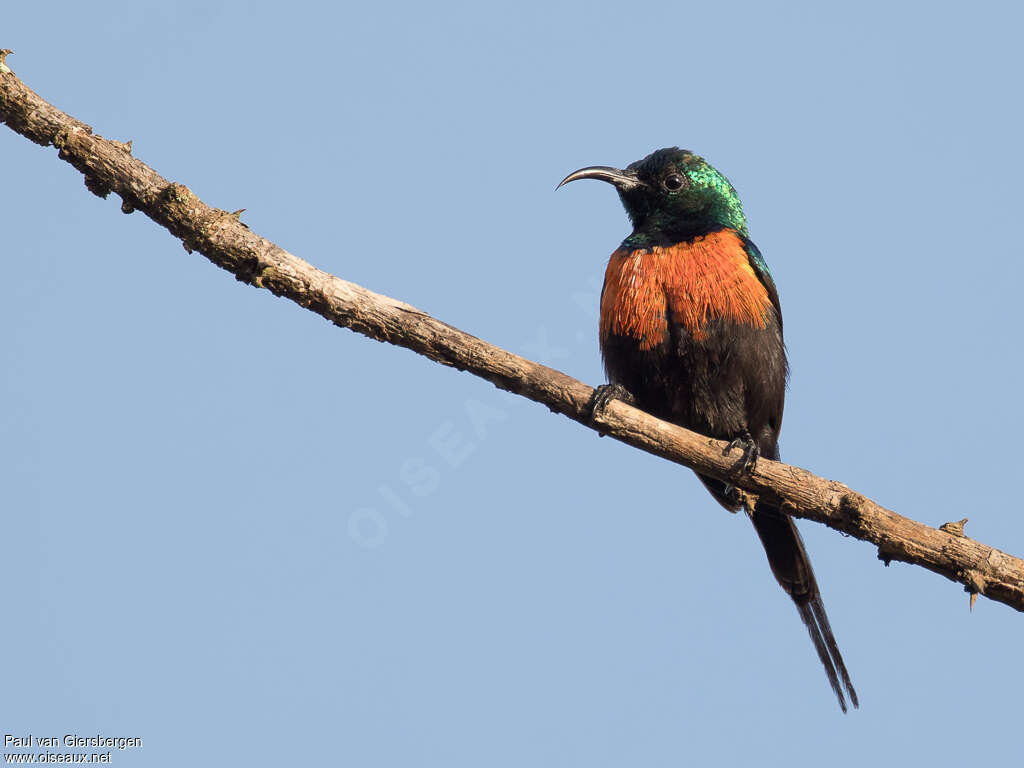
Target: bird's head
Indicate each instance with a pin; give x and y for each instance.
(672, 195)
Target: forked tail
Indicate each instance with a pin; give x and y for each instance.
(792, 568)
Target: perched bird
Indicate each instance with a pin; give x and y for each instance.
(691, 332)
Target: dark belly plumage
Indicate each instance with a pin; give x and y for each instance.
(724, 385)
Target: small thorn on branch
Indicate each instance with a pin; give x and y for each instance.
(97, 187)
(888, 550)
(974, 584)
(955, 529)
(747, 500)
(237, 216)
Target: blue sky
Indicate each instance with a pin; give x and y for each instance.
(232, 530)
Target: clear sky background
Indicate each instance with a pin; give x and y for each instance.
(227, 528)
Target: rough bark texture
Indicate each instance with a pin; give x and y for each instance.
(108, 166)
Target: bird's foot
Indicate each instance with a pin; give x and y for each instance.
(750, 452)
(604, 394)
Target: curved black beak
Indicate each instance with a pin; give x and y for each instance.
(623, 180)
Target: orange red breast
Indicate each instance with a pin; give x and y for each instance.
(688, 283)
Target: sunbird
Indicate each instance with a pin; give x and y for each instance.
(691, 332)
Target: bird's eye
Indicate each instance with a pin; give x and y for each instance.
(673, 182)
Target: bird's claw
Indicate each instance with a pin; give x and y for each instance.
(750, 452)
(604, 394)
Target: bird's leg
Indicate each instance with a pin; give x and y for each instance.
(750, 451)
(604, 394)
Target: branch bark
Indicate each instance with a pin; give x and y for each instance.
(108, 166)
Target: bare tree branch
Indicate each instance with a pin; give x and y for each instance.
(108, 166)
